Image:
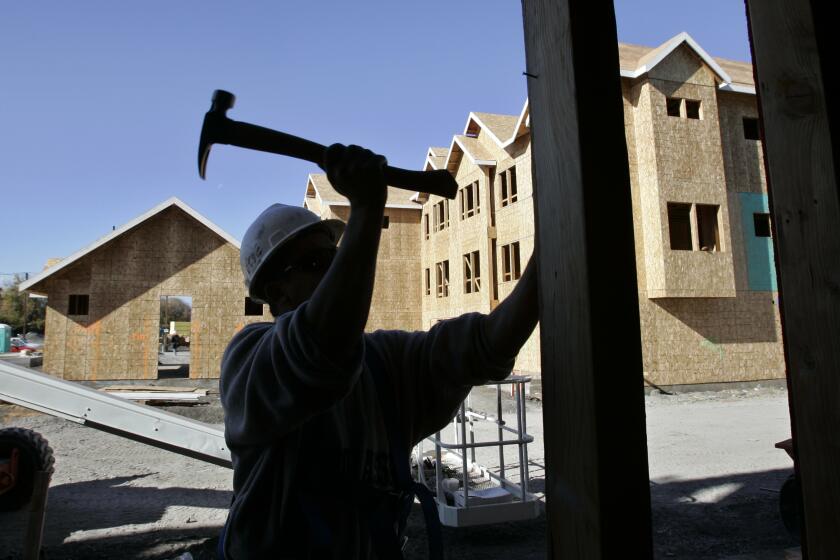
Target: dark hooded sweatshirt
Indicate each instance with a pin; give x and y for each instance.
(308, 438)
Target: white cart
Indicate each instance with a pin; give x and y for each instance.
(466, 492)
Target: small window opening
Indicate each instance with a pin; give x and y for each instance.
(679, 225)
(508, 185)
(510, 262)
(78, 304)
(707, 227)
(426, 226)
(469, 200)
(692, 109)
(442, 279)
(253, 308)
(672, 105)
(441, 215)
(427, 281)
(472, 273)
(386, 221)
(751, 129)
(761, 223)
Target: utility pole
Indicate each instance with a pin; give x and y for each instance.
(25, 306)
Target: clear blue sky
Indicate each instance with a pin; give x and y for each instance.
(102, 101)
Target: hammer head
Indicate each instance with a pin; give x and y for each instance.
(212, 131)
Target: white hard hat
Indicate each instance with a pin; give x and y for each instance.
(277, 225)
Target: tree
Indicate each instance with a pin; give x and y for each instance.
(13, 305)
(173, 308)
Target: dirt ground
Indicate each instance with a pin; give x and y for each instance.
(714, 487)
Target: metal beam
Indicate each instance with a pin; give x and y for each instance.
(113, 414)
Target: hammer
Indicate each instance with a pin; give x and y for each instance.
(219, 129)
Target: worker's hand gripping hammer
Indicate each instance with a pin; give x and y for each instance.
(219, 129)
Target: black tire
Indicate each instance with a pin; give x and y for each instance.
(790, 507)
(34, 454)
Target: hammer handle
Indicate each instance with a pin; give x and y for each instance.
(246, 135)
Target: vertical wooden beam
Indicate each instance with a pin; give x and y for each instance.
(790, 53)
(597, 489)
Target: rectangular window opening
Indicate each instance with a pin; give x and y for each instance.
(692, 109)
(679, 225)
(253, 308)
(707, 227)
(441, 211)
(751, 131)
(426, 226)
(672, 105)
(508, 185)
(472, 273)
(469, 200)
(511, 269)
(78, 304)
(442, 279)
(386, 222)
(761, 222)
(427, 282)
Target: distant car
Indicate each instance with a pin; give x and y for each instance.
(20, 345)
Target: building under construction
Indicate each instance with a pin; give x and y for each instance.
(704, 256)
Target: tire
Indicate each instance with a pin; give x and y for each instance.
(790, 506)
(34, 454)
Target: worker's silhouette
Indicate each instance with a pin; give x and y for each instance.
(320, 417)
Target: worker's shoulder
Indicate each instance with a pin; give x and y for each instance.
(249, 334)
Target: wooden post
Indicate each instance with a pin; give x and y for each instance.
(790, 50)
(34, 533)
(597, 488)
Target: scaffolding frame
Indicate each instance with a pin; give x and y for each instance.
(524, 504)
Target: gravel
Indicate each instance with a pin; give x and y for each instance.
(714, 475)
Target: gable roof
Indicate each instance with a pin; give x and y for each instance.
(474, 150)
(397, 198)
(174, 201)
(499, 127)
(635, 60)
(435, 158)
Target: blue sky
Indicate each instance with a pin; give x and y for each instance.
(102, 101)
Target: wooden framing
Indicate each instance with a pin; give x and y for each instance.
(597, 489)
(795, 80)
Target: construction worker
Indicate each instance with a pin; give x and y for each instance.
(320, 417)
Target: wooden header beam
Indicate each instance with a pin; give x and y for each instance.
(791, 41)
(597, 489)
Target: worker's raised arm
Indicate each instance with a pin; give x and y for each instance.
(508, 326)
(339, 307)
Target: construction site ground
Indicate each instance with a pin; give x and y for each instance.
(714, 472)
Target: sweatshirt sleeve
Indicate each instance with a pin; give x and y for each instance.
(274, 377)
(434, 371)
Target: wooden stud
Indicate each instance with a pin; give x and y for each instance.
(597, 491)
(790, 48)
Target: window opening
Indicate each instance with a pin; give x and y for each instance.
(707, 227)
(679, 225)
(472, 273)
(253, 308)
(510, 262)
(442, 279)
(761, 222)
(509, 194)
(672, 105)
(692, 109)
(78, 304)
(751, 131)
(469, 200)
